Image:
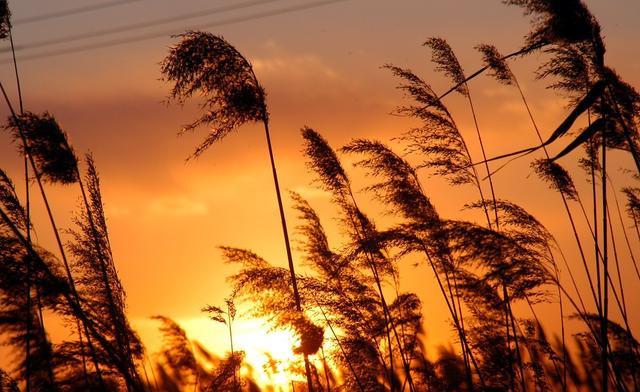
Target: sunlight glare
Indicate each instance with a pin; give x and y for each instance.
(269, 357)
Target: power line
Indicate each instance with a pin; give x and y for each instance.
(136, 26)
(122, 41)
(72, 11)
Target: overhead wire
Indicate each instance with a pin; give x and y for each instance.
(149, 36)
(71, 11)
(137, 26)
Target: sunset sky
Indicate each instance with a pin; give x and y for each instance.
(321, 67)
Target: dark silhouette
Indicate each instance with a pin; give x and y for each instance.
(357, 329)
(205, 64)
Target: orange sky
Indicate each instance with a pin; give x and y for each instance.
(321, 68)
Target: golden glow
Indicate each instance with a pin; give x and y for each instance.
(269, 357)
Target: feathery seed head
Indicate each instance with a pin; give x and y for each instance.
(557, 177)
(47, 143)
(207, 65)
(5, 19)
(559, 21)
(633, 203)
(496, 63)
(10, 203)
(447, 62)
(325, 162)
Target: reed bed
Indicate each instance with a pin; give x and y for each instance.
(357, 329)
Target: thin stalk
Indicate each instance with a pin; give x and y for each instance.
(326, 369)
(484, 206)
(532, 47)
(616, 262)
(595, 234)
(457, 311)
(358, 224)
(523, 381)
(356, 309)
(153, 372)
(452, 311)
(28, 212)
(508, 340)
(386, 314)
(118, 324)
(389, 323)
(146, 376)
(562, 328)
(509, 314)
(553, 360)
(28, 334)
(595, 334)
(605, 265)
(624, 229)
(624, 302)
(613, 289)
(466, 349)
(235, 378)
(344, 354)
(52, 222)
(486, 212)
(484, 158)
(82, 355)
(564, 202)
(283, 221)
(68, 295)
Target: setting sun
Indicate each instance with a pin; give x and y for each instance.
(270, 360)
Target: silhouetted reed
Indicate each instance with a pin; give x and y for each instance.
(5, 19)
(364, 338)
(207, 65)
(98, 283)
(47, 143)
(325, 163)
(226, 317)
(45, 146)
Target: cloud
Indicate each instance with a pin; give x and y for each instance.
(177, 206)
(308, 66)
(279, 63)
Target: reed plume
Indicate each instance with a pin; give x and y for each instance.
(557, 177)
(10, 202)
(48, 144)
(205, 64)
(177, 353)
(5, 19)
(99, 285)
(325, 163)
(226, 317)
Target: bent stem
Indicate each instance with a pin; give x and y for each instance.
(53, 226)
(283, 221)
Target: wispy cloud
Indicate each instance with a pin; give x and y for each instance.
(278, 62)
(177, 206)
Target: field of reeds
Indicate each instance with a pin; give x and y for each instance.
(510, 289)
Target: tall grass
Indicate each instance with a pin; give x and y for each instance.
(357, 329)
(205, 64)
